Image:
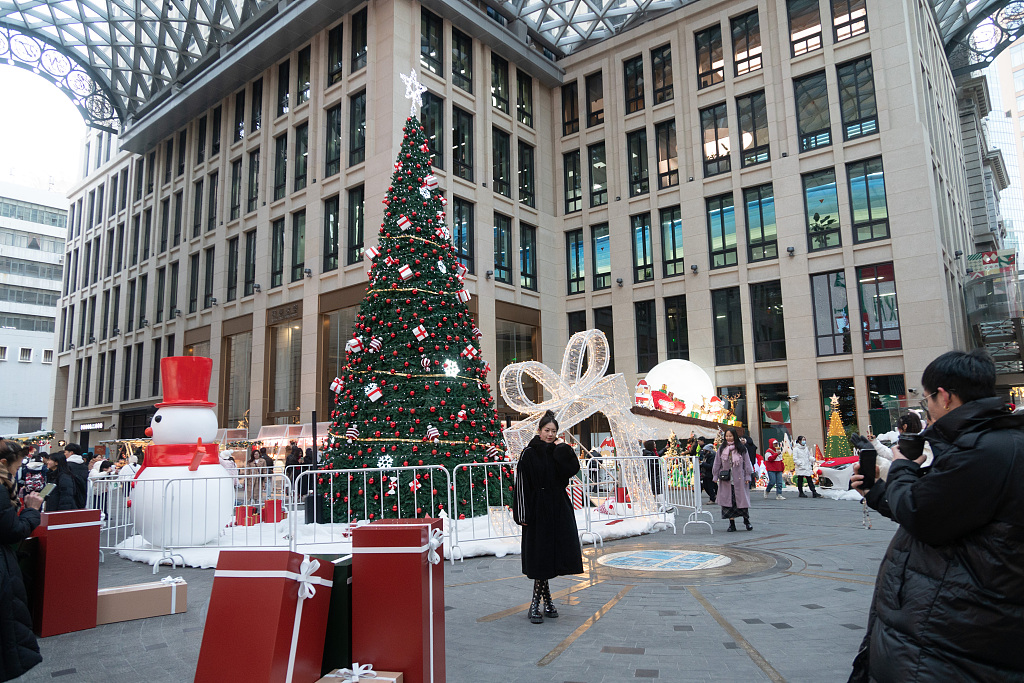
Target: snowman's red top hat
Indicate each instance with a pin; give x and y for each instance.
(186, 381)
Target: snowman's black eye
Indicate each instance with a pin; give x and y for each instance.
(158, 418)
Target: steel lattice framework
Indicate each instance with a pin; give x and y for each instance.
(113, 57)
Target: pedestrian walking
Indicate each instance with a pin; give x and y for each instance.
(550, 544)
(775, 465)
(803, 464)
(732, 470)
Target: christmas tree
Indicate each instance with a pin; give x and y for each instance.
(837, 445)
(414, 389)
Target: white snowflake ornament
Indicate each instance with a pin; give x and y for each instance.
(451, 368)
(440, 267)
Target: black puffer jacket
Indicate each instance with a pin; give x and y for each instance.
(949, 599)
(19, 650)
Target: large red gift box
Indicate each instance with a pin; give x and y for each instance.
(285, 596)
(399, 558)
(66, 578)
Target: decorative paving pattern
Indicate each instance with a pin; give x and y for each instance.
(664, 560)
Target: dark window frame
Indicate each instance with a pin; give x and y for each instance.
(808, 91)
(807, 12)
(462, 56)
(641, 239)
(821, 229)
(600, 246)
(633, 80)
(431, 42)
(752, 120)
(277, 253)
(661, 74)
(862, 169)
(852, 22)
(332, 143)
(595, 99)
(280, 166)
(331, 235)
(572, 181)
(570, 108)
(462, 144)
(727, 326)
(667, 154)
(527, 256)
(837, 339)
(672, 252)
(597, 159)
(646, 328)
(301, 156)
(527, 181)
(499, 83)
(524, 98)
(501, 162)
(356, 229)
(759, 247)
(677, 333)
(708, 44)
(747, 52)
(576, 279)
(769, 323)
(868, 279)
(502, 248)
(463, 229)
(721, 256)
(858, 101)
(357, 128)
(637, 162)
(711, 119)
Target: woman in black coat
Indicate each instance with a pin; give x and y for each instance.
(63, 497)
(551, 545)
(19, 650)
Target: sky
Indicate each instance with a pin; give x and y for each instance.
(41, 132)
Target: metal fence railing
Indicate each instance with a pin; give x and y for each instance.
(682, 489)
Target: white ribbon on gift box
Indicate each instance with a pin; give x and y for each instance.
(174, 581)
(307, 589)
(434, 542)
(355, 673)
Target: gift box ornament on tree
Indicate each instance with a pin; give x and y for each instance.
(391, 395)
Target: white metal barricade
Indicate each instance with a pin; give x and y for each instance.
(682, 488)
(627, 488)
(475, 520)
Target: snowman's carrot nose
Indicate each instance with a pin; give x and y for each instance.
(149, 431)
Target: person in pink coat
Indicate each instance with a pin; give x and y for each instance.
(774, 464)
(732, 471)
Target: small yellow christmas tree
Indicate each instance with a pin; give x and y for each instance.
(837, 445)
(787, 453)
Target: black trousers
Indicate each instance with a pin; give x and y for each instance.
(800, 483)
(710, 487)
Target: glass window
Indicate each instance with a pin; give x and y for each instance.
(200, 142)
(334, 55)
(502, 248)
(515, 342)
(524, 98)
(298, 245)
(193, 288)
(746, 43)
(605, 322)
(462, 144)
(357, 129)
(283, 82)
(661, 67)
(301, 155)
(527, 256)
(237, 354)
(499, 83)
(280, 165)
(356, 224)
(633, 70)
(822, 205)
(432, 117)
(231, 275)
(212, 194)
(197, 217)
(752, 112)
(643, 247)
(849, 18)
(867, 200)
(857, 99)
(714, 124)
(462, 60)
(812, 116)
(462, 232)
(710, 57)
(668, 161)
(598, 175)
(721, 217)
(728, 326)
(501, 167)
(769, 328)
(277, 253)
(677, 337)
(332, 154)
(332, 238)
(804, 26)
(302, 77)
(250, 264)
(880, 320)
(168, 167)
(208, 262)
(773, 401)
(215, 143)
(595, 99)
(431, 42)
(284, 372)
(573, 182)
(359, 40)
(182, 141)
(843, 390)
(762, 236)
(150, 170)
(570, 108)
(672, 241)
(526, 175)
(887, 401)
(574, 261)
(165, 224)
(646, 335)
(256, 115)
(831, 313)
(601, 254)
(577, 322)
(254, 180)
(338, 328)
(636, 152)
(236, 189)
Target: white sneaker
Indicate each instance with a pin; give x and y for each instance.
(780, 497)
(766, 493)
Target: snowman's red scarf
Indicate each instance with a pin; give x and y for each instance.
(180, 455)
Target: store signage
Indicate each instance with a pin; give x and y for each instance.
(90, 426)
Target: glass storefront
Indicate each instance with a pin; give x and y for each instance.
(237, 354)
(284, 373)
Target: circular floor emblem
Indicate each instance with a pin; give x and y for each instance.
(664, 560)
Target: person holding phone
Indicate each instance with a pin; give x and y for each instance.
(62, 497)
(948, 598)
(17, 642)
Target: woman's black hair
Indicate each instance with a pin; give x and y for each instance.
(969, 376)
(549, 418)
(740, 448)
(62, 463)
(799, 439)
(105, 465)
(911, 423)
(9, 450)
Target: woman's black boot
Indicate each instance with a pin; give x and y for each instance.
(535, 615)
(549, 607)
(746, 523)
(732, 525)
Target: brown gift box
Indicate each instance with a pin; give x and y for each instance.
(141, 601)
(381, 677)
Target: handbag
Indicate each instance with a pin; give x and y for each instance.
(725, 475)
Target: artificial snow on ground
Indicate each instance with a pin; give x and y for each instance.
(473, 537)
(836, 494)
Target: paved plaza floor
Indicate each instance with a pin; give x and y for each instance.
(786, 601)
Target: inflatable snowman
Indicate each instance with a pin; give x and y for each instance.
(183, 496)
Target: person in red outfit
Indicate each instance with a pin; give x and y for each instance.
(774, 464)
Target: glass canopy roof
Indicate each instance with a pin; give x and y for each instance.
(114, 57)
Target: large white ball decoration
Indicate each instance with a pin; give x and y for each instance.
(687, 381)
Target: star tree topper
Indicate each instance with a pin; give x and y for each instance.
(413, 91)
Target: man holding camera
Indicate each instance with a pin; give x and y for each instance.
(949, 597)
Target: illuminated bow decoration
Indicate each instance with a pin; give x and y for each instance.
(306, 571)
(355, 673)
(435, 541)
(576, 394)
